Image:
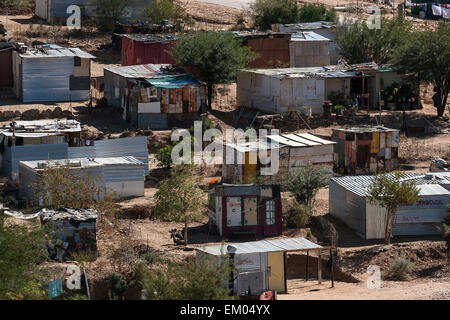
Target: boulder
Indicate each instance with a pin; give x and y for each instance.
(57, 113)
(31, 114)
(7, 115)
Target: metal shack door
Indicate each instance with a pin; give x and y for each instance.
(250, 167)
(270, 217)
(275, 271)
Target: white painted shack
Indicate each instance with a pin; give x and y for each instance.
(123, 176)
(309, 49)
(285, 89)
(348, 203)
(295, 151)
(260, 265)
(52, 73)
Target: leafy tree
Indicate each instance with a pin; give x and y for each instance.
(215, 57)
(424, 55)
(267, 12)
(57, 187)
(160, 10)
(359, 44)
(194, 280)
(390, 191)
(310, 12)
(303, 183)
(110, 11)
(180, 197)
(22, 249)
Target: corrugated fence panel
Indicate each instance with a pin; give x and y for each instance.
(136, 147)
(81, 152)
(31, 152)
(154, 121)
(47, 79)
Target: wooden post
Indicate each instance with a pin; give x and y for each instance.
(307, 262)
(319, 267)
(332, 268)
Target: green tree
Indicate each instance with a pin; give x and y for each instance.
(358, 43)
(110, 11)
(179, 197)
(303, 183)
(424, 56)
(390, 191)
(310, 12)
(164, 156)
(160, 10)
(194, 280)
(22, 249)
(215, 57)
(264, 13)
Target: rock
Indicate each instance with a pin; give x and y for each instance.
(31, 114)
(57, 113)
(67, 114)
(45, 114)
(8, 115)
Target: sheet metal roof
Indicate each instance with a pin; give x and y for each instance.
(358, 184)
(299, 140)
(308, 36)
(307, 26)
(52, 51)
(151, 38)
(81, 163)
(365, 129)
(287, 244)
(308, 72)
(145, 71)
(46, 127)
(253, 146)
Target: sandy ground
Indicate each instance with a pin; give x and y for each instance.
(298, 289)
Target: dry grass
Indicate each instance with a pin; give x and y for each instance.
(417, 149)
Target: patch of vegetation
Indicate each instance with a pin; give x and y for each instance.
(117, 287)
(299, 217)
(400, 269)
(160, 10)
(193, 280)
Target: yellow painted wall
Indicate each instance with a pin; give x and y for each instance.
(275, 262)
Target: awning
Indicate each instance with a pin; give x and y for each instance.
(287, 244)
(180, 81)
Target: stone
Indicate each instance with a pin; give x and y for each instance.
(31, 114)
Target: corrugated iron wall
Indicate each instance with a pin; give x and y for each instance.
(273, 51)
(139, 52)
(6, 75)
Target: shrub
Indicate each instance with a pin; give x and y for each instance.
(312, 12)
(400, 269)
(164, 156)
(300, 216)
(117, 287)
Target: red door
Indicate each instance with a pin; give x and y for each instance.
(271, 217)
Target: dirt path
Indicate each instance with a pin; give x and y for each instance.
(418, 290)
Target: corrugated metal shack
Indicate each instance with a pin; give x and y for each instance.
(36, 140)
(348, 203)
(6, 77)
(56, 10)
(245, 209)
(76, 227)
(281, 90)
(52, 73)
(122, 176)
(260, 265)
(323, 28)
(272, 48)
(154, 96)
(309, 49)
(295, 150)
(365, 149)
(147, 48)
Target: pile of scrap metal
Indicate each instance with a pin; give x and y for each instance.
(74, 229)
(439, 165)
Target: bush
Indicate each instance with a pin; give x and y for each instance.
(400, 269)
(117, 287)
(300, 216)
(313, 12)
(164, 156)
(267, 12)
(303, 183)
